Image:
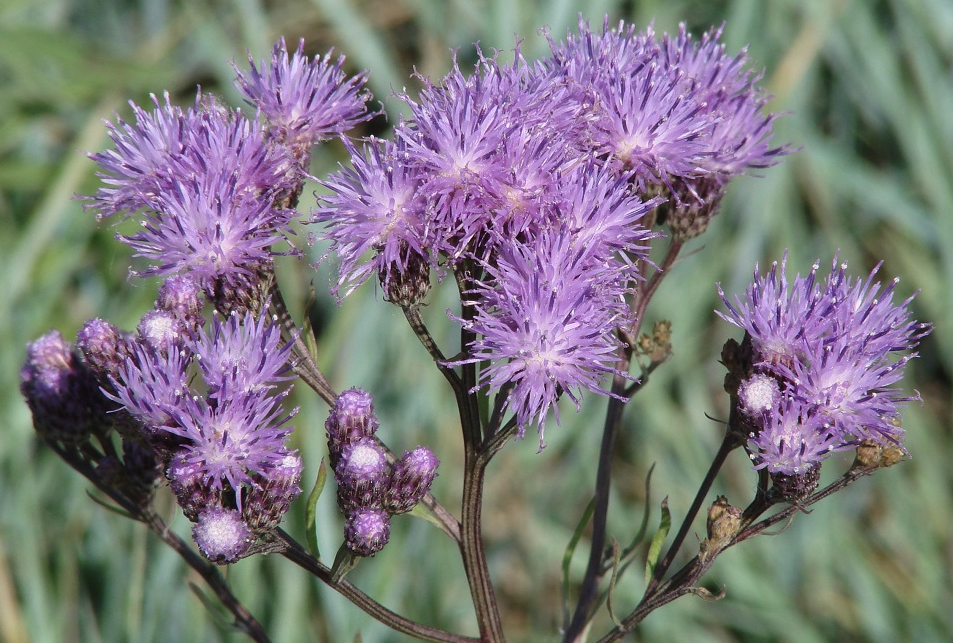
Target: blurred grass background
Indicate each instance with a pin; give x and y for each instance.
(870, 89)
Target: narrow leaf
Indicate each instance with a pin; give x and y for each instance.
(657, 540)
(643, 528)
(310, 521)
(567, 556)
(616, 558)
(344, 562)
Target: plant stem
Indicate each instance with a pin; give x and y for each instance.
(728, 444)
(685, 580)
(298, 555)
(590, 582)
(244, 621)
(473, 553)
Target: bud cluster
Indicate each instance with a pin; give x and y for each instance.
(370, 490)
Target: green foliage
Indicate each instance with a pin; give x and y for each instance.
(868, 87)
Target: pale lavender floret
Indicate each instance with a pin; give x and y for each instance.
(170, 144)
(759, 394)
(410, 480)
(793, 441)
(221, 535)
(242, 435)
(375, 205)
(457, 129)
(852, 392)
(136, 168)
(740, 133)
(242, 354)
(161, 331)
(361, 474)
(546, 318)
(601, 214)
(305, 100)
(211, 228)
(366, 531)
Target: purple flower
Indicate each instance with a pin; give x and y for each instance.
(835, 351)
(151, 384)
(793, 440)
(171, 144)
(229, 442)
(242, 355)
(221, 535)
(780, 318)
(545, 317)
(376, 205)
(305, 101)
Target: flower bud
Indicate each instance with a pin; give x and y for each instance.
(193, 493)
(161, 331)
(410, 480)
(351, 419)
(104, 348)
(366, 531)
(270, 495)
(182, 296)
(61, 392)
(221, 535)
(361, 474)
(723, 523)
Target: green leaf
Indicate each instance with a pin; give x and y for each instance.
(643, 528)
(311, 511)
(344, 561)
(657, 540)
(111, 507)
(570, 549)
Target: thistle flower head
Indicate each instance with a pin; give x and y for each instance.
(243, 354)
(304, 100)
(376, 205)
(545, 318)
(161, 331)
(232, 440)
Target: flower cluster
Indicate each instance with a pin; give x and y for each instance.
(536, 185)
(370, 490)
(819, 370)
(214, 189)
(208, 404)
